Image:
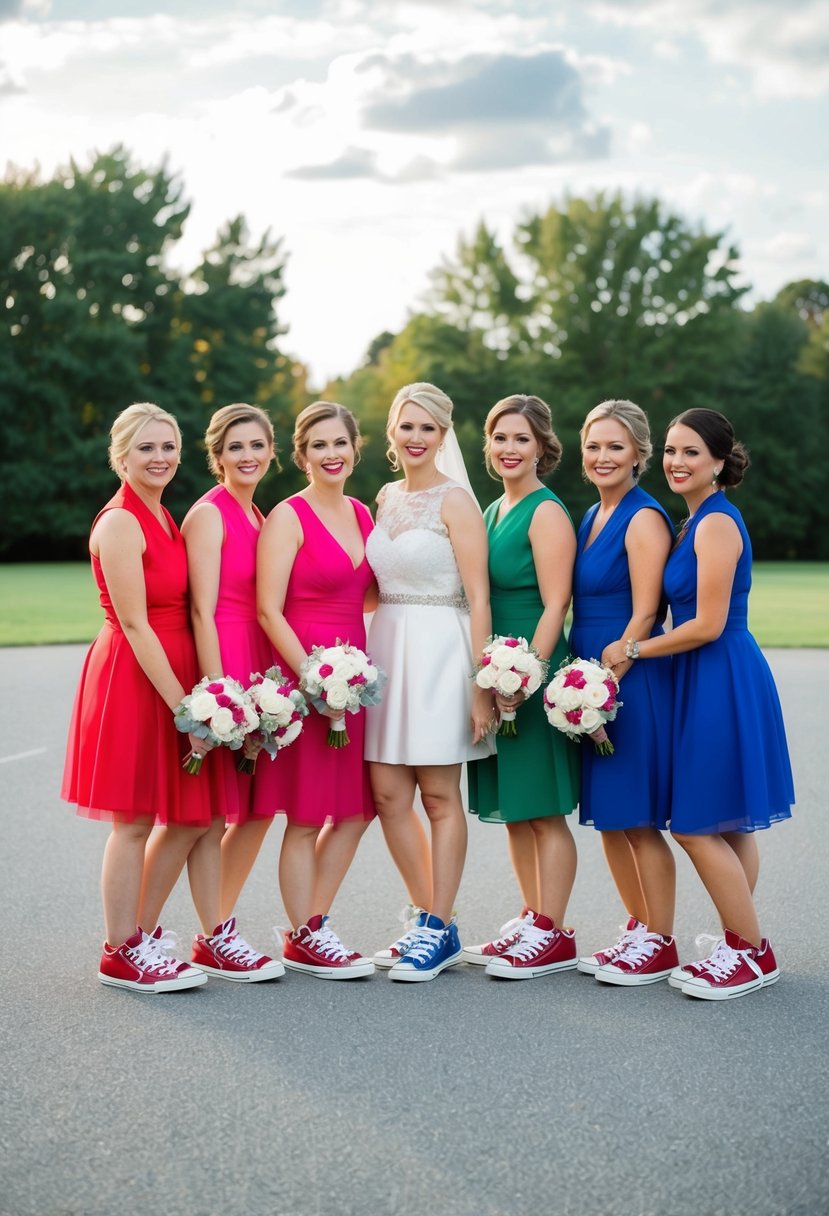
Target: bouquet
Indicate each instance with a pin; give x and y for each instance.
(219, 711)
(580, 698)
(341, 677)
(280, 707)
(508, 665)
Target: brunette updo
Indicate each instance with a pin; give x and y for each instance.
(540, 421)
(717, 434)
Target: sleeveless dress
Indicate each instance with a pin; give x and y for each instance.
(243, 644)
(731, 760)
(124, 754)
(631, 788)
(312, 782)
(536, 773)
(419, 634)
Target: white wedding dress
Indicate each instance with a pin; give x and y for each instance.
(419, 635)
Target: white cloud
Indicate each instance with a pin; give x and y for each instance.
(785, 247)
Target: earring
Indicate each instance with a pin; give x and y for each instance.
(716, 475)
(536, 460)
(636, 471)
(440, 449)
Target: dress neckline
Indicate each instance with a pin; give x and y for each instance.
(498, 521)
(260, 517)
(326, 529)
(172, 533)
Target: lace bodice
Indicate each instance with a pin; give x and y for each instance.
(410, 550)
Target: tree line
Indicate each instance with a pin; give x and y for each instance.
(598, 297)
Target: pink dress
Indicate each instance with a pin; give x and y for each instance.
(244, 647)
(310, 781)
(124, 754)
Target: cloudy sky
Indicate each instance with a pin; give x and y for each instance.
(369, 134)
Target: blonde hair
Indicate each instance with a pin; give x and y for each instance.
(429, 398)
(220, 424)
(540, 420)
(127, 427)
(635, 421)
(321, 411)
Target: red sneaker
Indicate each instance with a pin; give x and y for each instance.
(139, 964)
(731, 971)
(316, 949)
(540, 950)
(479, 956)
(165, 943)
(764, 958)
(226, 954)
(634, 931)
(645, 960)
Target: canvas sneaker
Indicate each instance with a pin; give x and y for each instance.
(316, 949)
(540, 950)
(687, 971)
(139, 964)
(226, 954)
(508, 935)
(731, 971)
(412, 919)
(436, 947)
(764, 958)
(634, 930)
(166, 943)
(645, 960)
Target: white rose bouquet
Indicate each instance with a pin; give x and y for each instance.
(507, 666)
(341, 677)
(280, 707)
(219, 711)
(581, 697)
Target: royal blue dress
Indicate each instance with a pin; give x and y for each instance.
(731, 762)
(631, 788)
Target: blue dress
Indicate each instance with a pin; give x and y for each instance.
(631, 788)
(732, 770)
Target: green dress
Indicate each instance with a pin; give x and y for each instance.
(536, 773)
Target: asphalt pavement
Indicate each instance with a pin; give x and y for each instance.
(462, 1097)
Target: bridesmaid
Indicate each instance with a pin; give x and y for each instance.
(623, 544)
(731, 770)
(313, 583)
(221, 531)
(429, 554)
(532, 785)
(124, 755)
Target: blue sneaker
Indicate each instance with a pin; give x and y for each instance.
(436, 947)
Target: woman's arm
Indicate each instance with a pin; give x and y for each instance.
(718, 546)
(467, 534)
(279, 542)
(553, 544)
(118, 541)
(203, 532)
(647, 544)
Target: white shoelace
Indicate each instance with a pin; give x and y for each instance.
(639, 949)
(511, 931)
(149, 957)
(164, 946)
(629, 936)
(326, 943)
(725, 961)
(426, 942)
(531, 942)
(232, 946)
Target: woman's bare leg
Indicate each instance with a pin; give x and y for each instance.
(441, 794)
(335, 849)
(240, 848)
(521, 845)
(657, 878)
(167, 851)
(121, 876)
(394, 788)
(724, 878)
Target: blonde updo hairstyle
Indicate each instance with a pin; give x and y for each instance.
(429, 398)
(220, 424)
(321, 411)
(127, 427)
(635, 421)
(540, 420)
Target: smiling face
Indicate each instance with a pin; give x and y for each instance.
(512, 448)
(609, 454)
(245, 455)
(152, 459)
(416, 437)
(689, 465)
(329, 453)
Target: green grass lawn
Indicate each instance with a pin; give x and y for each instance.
(48, 603)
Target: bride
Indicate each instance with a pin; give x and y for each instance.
(429, 554)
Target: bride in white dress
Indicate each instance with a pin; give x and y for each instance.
(429, 554)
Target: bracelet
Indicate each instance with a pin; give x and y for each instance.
(631, 649)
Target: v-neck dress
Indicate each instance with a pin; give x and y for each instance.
(631, 788)
(731, 769)
(243, 644)
(124, 754)
(310, 781)
(536, 773)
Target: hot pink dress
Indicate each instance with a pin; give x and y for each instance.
(244, 647)
(124, 754)
(309, 780)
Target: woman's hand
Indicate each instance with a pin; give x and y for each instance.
(199, 747)
(508, 705)
(614, 657)
(483, 718)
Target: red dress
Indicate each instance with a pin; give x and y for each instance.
(309, 780)
(124, 754)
